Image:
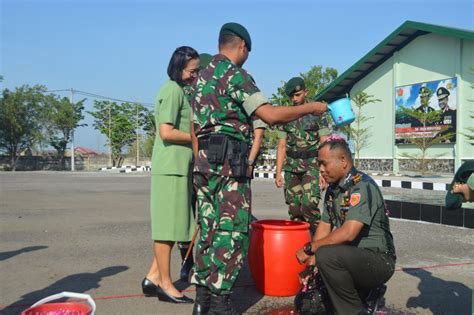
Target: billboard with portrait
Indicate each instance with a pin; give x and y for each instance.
(435, 96)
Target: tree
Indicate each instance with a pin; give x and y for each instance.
(118, 122)
(20, 120)
(316, 79)
(63, 118)
(360, 135)
(425, 142)
(470, 131)
(149, 126)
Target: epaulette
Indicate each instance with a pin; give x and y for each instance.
(356, 178)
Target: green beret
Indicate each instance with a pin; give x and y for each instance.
(237, 30)
(463, 174)
(204, 60)
(294, 85)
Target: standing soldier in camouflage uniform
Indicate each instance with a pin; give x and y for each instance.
(353, 246)
(226, 104)
(298, 142)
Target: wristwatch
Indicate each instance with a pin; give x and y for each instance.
(308, 249)
(250, 162)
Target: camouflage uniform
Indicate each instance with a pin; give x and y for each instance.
(225, 96)
(302, 174)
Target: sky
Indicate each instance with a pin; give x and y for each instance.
(121, 48)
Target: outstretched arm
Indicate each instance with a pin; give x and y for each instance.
(274, 115)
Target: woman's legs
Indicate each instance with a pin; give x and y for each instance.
(154, 274)
(163, 257)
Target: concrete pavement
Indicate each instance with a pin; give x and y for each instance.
(89, 232)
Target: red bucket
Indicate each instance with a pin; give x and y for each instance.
(272, 255)
(42, 307)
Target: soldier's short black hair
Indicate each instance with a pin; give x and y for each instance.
(178, 62)
(339, 144)
(229, 40)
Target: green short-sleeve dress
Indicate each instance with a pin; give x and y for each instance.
(170, 193)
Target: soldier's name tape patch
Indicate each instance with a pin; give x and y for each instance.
(355, 199)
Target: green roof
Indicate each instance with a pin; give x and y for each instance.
(398, 39)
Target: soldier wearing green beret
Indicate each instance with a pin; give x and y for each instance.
(226, 106)
(296, 156)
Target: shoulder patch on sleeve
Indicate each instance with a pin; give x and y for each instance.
(355, 199)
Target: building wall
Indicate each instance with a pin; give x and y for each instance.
(466, 98)
(427, 58)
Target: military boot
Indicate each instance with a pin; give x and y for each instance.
(221, 305)
(188, 264)
(374, 298)
(202, 301)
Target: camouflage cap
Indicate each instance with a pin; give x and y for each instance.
(237, 30)
(204, 60)
(294, 85)
(442, 93)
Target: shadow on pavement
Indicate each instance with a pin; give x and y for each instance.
(13, 253)
(439, 296)
(80, 282)
(245, 295)
(183, 285)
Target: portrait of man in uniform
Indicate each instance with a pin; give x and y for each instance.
(433, 110)
(448, 115)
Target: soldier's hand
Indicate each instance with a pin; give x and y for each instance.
(319, 108)
(301, 256)
(323, 185)
(307, 272)
(279, 180)
(250, 171)
(464, 190)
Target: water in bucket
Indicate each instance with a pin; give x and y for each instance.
(341, 112)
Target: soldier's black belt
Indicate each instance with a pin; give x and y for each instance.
(203, 144)
(302, 154)
(221, 147)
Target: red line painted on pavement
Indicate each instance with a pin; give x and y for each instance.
(435, 266)
(113, 297)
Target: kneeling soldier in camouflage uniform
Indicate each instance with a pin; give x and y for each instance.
(353, 246)
(226, 105)
(298, 143)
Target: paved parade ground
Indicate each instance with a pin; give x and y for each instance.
(90, 232)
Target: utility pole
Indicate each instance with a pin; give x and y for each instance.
(138, 140)
(110, 138)
(72, 135)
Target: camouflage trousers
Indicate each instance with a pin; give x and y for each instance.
(302, 196)
(223, 206)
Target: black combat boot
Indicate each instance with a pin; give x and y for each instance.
(184, 273)
(221, 305)
(374, 298)
(202, 301)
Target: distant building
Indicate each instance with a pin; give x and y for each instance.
(86, 152)
(421, 66)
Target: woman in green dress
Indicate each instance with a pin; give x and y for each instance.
(171, 217)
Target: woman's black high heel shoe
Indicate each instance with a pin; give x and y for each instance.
(165, 297)
(149, 288)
